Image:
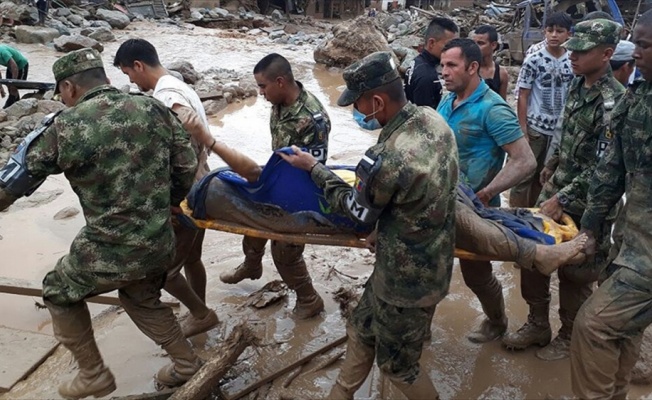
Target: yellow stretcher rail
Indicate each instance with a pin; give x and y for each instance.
(562, 232)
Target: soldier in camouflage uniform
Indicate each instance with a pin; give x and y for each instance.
(406, 186)
(298, 118)
(609, 326)
(565, 179)
(129, 160)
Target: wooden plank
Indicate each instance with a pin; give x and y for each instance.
(24, 287)
(286, 369)
(21, 352)
(211, 95)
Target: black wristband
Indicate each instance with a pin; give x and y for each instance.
(313, 167)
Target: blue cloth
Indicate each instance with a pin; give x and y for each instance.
(482, 124)
(279, 184)
(520, 221)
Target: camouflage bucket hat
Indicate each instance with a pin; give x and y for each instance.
(376, 69)
(589, 34)
(75, 62)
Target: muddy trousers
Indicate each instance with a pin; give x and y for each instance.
(607, 336)
(394, 337)
(525, 194)
(139, 298)
(482, 236)
(288, 259)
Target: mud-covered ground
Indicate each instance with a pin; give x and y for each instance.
(31, 242)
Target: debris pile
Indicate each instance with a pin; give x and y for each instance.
(20, 119)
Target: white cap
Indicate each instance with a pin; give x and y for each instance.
(624, 51)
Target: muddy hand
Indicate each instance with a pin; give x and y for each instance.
(552, 208)
(589, 245)
(544, 176)
(300, 159)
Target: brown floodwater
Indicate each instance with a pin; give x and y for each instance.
(32, 241)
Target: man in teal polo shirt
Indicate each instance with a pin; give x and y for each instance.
(17, 67)
(485, 128)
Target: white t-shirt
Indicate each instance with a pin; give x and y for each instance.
(170, 91)
(548, 78)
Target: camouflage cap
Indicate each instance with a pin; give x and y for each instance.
(589, 34)
(376, 69)
(75, 62)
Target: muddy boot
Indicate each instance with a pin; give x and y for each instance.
(72, 327)
(357, 363)
(493, 327)
(191, 326)
(184, 365)
(252, 267)
(292, 268)
(558, 349)
(421, 389)
(536, 331)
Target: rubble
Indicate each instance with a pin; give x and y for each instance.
(350, 41)
(19, 120)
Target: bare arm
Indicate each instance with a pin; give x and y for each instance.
(520, 165)
(240, 163)
(521, 108)
(504, 83)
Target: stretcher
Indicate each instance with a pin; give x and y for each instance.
(567, 231)
(293, 191)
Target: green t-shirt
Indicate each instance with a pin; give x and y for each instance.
(7, 53)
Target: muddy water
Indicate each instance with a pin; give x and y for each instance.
(33, 241)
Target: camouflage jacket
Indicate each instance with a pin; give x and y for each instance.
(304, 123)
(627, 168)
(128, 159)
(415, 189)
(584, 138)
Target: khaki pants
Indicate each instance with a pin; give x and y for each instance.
(482, 236)
(188, 246)
(139, 298)
(283, 253)
(525, 194)
(607, 336)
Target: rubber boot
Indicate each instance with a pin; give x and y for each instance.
(252, 266)
(536, 331)
(356, 366)
(184, 365)
(421, 389)
(494, 326)
(72, 327)
(294, 272)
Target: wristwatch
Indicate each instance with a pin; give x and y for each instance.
(564, 201)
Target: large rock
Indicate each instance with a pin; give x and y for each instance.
(186, 70)
(100, 24)
(58, 25)
(20, 12)
(21, 108)
(49, 106)
(99, 34)
(35, 34)
(115, 18)
(352, 40)
(76, 42)
(75, 20)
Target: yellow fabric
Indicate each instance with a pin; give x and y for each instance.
(345, 175)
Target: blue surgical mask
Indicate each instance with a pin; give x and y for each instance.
(370, 125)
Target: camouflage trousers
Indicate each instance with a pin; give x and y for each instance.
(397, 334)
(64, 290)
(607, 335)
